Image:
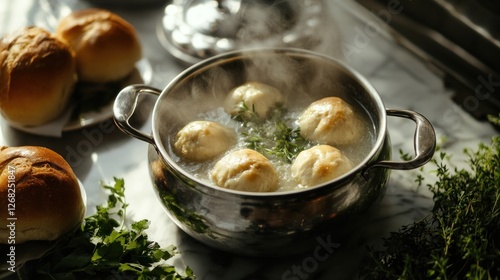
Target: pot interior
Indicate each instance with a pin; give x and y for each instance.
(301, 76)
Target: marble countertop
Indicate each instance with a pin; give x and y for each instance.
(99, 153)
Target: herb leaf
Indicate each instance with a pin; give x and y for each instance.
(461, 237)
(272, 137)
(103, 248)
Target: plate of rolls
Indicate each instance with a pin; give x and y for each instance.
(66, 79)
(43, 201)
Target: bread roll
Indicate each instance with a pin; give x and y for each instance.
(318, 165)
(331, 121)
(48, 201)
(37, 76)
(203, 140)
(245, 170)
(107, 47)
(260, 97)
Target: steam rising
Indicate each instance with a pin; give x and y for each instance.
(301, 80)
(260, 20)
(299, 24)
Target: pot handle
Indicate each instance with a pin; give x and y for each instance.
(424, 142)
(124, 107)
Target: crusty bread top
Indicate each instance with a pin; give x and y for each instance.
(48, 200)
(106, 45)
(37, 75)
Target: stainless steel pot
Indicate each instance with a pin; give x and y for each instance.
(279, 223)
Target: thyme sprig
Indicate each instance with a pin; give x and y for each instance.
(460, 239)
(246, 114)
(271, 136)
(288, 142)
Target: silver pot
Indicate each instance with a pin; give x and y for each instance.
(278, 223)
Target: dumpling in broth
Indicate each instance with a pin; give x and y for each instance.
(331, 121)
(245, 170)
(203, 140)
(318, 165)
(258, 96)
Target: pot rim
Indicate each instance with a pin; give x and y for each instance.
(235, 55)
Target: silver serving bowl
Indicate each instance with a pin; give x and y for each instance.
(277, 223)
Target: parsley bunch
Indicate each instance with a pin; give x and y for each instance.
(461, 237)
(103, 248)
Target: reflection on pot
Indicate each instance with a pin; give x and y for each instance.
(266, 226)
(170, 198)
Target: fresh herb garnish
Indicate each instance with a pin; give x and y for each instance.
(104, 248)
(270, 136)
(246, 114)
(289, 142)
(460, 239)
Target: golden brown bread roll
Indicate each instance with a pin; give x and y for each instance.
(37, 76)
(47, 201)
(203, 140)
(245, 170)
(331, 121)
(318, 165)
(107, 46)
(257, 96)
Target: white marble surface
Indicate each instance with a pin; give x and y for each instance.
(100, 153)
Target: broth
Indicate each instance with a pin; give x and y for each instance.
(356, 152)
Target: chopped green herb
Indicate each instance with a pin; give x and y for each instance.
(104, 248)
(271, 136)
(288, 142)
(495, 120)
(246, 114)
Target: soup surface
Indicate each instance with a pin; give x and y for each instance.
(276, 136)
